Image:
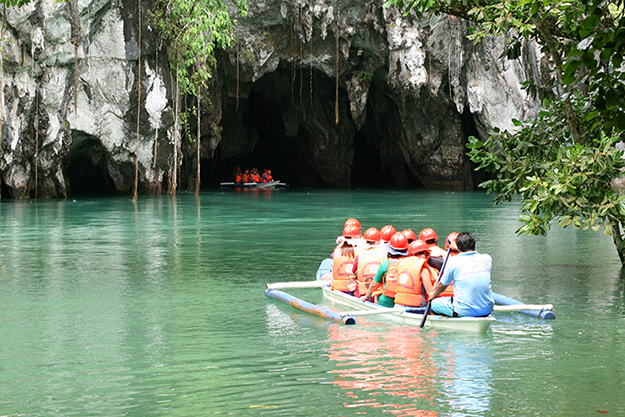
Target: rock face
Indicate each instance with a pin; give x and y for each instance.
(319, 81)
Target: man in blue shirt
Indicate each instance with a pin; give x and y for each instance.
(470, 271)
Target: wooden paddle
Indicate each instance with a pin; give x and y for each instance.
(429, 306)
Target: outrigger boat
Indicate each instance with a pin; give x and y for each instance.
(366, 308)
(411, 316)
(255, 185)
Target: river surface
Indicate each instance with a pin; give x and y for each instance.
(109, 308)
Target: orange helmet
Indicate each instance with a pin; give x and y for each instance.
(399, 242)
(352, 221)
(450, 238)
(427, 234)
(387, 232)
(372, 235)
(351, 230)
(418, 246)
(268, 171)
(410, 235)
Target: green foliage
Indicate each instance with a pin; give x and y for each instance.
(364, 76)
(556, 178)
(193, 29)
(563, 162)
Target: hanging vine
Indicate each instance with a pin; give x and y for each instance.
(336, 67)
(36, 136)
(75, 40)
(136, 189)
(192, 29)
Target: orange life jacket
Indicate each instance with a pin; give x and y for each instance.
(449, 291)
(437, 251)
(342, 270)
(410, 289)
(265, 177)
(255, 178)
(246, 177)
(369, 260)
(390, 279)
(239, 178)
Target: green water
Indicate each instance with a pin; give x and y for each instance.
(157, 309)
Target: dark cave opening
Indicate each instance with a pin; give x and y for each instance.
(285, 154)
(84, 167)
(367, 171)
(273, 149)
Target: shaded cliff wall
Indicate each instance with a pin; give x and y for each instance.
(409, 93)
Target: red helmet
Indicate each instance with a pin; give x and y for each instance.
(418, 246)
(352, 221)
(399, 242)
(372, 235)
(351, 230)
(410, 235)
(427, 234)
(451, 238)
(387, 232)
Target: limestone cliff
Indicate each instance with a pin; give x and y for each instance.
(408, 91)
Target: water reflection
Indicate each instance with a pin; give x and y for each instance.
(406, 372)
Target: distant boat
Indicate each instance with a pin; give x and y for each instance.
(259, 185)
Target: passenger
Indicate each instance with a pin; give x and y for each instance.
(410, 235)
(397, 249)
(265, 177)
(371, 254)
(450, 241)
(344, 256)
(415, 277)
(246, 176)
(238, 177)
(269, 176)
(470, 273)
(352, 221)
(387, 232)
(255, 177)
(437, 255)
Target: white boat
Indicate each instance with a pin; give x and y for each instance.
(255, 185)
(470, 324)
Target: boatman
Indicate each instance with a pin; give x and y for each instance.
(470, 273)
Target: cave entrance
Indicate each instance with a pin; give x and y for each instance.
(268, 130)
(85, 167)
(254, 136)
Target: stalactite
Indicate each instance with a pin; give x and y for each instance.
(136, 190)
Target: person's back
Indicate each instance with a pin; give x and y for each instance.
(473, 294)
(470, 273)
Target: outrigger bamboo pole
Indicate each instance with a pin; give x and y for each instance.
(308, 307)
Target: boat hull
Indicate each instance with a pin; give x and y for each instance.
(469, 324)
(254, 185)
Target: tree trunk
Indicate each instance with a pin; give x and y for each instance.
(551, 42)
(617, 237)
(197, 178)
(136, 191)
(174, 169)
